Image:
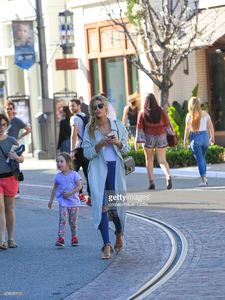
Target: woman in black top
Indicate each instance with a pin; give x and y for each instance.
(64, 131)
(130, 113)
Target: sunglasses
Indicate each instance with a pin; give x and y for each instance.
(98, 106)
(9, 108)
(3, 125)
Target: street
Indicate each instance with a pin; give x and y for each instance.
(37, 270)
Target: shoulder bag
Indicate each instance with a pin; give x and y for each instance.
(172, 138)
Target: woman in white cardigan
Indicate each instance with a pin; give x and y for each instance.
(104, 142)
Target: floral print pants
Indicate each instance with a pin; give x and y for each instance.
(64, 214)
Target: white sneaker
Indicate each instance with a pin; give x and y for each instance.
(202, 184)
(17, 196)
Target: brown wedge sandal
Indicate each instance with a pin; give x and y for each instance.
(119, 242)
(107, 250)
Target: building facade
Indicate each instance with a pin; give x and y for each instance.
(15, 81)
(101, 51)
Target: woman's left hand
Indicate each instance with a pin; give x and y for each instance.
(115, 141)
(66, 195)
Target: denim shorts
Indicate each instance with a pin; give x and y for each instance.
(156, 141)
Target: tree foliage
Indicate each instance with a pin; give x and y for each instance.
(167, 31)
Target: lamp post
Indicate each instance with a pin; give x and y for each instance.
(66, 31)
(45, 118)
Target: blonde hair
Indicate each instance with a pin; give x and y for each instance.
(194, 108)
(67, 158)
(94, 121)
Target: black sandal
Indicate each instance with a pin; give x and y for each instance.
(169, 183)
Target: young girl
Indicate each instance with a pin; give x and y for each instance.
(67, 185)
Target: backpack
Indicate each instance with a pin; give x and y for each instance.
(85, 120)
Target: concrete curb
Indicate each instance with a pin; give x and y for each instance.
(190, 172)
(31, 163)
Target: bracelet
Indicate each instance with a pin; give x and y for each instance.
(72, 150)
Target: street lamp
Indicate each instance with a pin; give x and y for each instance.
(66, 31)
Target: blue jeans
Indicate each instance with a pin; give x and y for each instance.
(104, 224)
(199, 147)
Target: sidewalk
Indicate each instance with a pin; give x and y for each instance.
(213, 170)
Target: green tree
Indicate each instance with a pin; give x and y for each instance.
(168, 31)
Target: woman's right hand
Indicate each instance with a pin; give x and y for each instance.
(211, 141)
(102, 143)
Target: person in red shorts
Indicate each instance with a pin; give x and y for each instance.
(8, 185)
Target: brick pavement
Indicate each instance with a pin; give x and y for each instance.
(198, 213)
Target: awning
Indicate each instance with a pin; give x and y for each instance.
(211, 23)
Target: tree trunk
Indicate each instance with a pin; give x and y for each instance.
(165, 96)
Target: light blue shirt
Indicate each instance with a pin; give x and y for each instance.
(97, 169)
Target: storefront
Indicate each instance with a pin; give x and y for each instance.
(109, 69)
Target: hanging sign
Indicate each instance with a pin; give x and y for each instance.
(66, 64)
(23, 36)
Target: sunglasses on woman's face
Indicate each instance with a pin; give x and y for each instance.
(98, 106)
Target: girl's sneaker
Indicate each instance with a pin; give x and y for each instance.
(88, 202)
(82, 198)
(60, 242)
(74, 241)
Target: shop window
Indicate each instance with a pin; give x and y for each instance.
(218, 89)
(132, 72)
(94, 76)
(92, 41)
(114, 83)
(111, 39)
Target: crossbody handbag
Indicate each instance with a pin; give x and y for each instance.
(15, 167)
(129, 163)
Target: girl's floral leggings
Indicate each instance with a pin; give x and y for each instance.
(66, 213)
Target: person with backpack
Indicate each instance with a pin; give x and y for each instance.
(78, 121)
